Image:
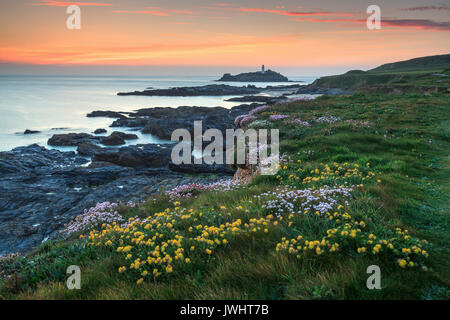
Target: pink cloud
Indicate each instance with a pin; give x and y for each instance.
(154, 13)
(295, 13)
(417, 24)
(420, 24)
(66, 4)
(425, 8)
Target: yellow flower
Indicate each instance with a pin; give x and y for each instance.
(361, 250)
(169, 268)
(402, 263)
(376, 249)
(187, 260)
(208, 251)
(144, 273)
(139, 281)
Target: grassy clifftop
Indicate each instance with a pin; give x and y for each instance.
(428, 64)
(364, 181)
(419, 74)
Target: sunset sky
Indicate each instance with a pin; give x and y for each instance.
(208, 37)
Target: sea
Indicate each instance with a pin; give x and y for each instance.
(59, 104)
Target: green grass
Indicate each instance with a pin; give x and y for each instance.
(406, 146)
(437, 62)
(415, 75)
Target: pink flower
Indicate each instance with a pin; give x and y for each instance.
(259, 109)
(277, 117)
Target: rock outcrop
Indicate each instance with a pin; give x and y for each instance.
(141, 155)
(100, 131)
(28, 131)
(71, 139)
(208, 90)
(117, 138)
(41, 190)
(161, 122)
(267, 76)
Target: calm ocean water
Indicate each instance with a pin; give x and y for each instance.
(59, 104)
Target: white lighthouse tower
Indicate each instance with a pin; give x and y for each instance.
(262, 69)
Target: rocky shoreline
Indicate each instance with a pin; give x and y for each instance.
(209, 90)
(41, 190)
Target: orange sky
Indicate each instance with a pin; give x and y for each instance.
(219, 33)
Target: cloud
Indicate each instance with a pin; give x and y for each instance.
(417, 23)
(152, 12)
(295, 13)
(69, 3)
(157, 53)
(421, 24)
(425, 8)
(155, 11)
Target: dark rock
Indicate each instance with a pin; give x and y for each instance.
(88, 149)
(100, 131)
(123, 135)
(27, 131)
(118, 138)
(71, 139)
(100, 164)
(207, 90)
(113, 141)
(106, 114)
(161, 122)
(163, 128)
(149, 155)
(130, 122)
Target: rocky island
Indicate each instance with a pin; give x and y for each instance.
(258, 76)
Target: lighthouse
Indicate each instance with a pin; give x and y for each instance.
(262, 69)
